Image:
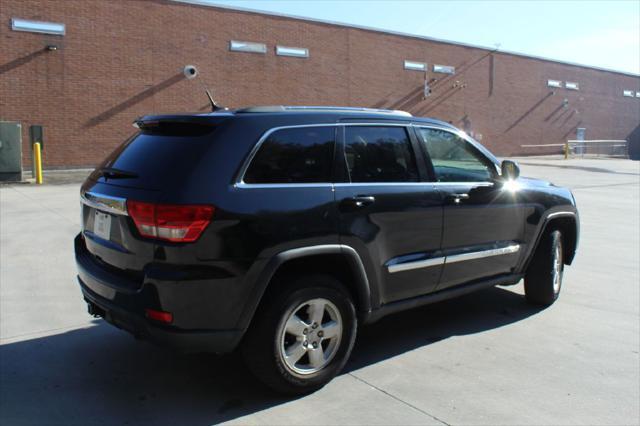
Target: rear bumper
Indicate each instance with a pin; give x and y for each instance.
(201, 320)
(218, 341)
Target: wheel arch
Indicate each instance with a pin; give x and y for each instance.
(568, 225)
(338, 260)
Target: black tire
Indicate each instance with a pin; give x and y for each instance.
(264, 346)
(543, 280)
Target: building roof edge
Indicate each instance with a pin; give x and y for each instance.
(398, 33)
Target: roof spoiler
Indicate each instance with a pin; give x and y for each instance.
(208, 119)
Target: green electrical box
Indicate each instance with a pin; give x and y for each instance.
(10, 151)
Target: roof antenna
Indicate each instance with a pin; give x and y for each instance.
(214, 106)
(190, 72)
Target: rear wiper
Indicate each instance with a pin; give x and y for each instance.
(111, 173)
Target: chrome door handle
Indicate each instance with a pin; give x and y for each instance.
(456, 198)
(363, 200)
(359, 201)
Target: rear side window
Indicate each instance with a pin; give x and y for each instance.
(379, 154)
(297, 155)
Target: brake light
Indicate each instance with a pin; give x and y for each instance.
(177, 223)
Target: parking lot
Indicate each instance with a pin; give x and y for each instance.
(486, 358)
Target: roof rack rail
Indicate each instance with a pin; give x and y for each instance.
(284, 108)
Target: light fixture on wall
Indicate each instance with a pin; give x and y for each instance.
(30, 26)
(444, 69)
(247, 46)
(51, 47)
(415, 66)
(298, 52)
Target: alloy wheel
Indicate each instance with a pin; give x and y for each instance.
(310, 336)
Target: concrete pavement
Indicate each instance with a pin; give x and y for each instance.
(486, 358)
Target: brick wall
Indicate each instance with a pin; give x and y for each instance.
(121, 59)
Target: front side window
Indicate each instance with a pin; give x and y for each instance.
(296, 155)
(379, 154)
(454, 159)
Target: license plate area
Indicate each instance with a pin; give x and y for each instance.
(102, 225)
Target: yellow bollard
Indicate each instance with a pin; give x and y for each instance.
(38, 155)
(566, 150)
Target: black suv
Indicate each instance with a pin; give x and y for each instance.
(277, 230)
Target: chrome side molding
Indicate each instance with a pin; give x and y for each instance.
(482, 254)
(435, 261)
(107, 203)
(416, 265)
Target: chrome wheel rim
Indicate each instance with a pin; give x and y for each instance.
(557, 268)
(310, 336)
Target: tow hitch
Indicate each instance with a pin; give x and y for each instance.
(94, 310)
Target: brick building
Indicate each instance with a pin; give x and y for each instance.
(119, 59)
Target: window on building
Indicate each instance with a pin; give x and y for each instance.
(297, 155)
(554, 83)
(454, 159)
(571, 85)
(628, 93)
(379, 154)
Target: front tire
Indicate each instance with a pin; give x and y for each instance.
(543, 280)
(302, 335)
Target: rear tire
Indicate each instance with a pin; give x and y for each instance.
(543, 280)
(302, 334)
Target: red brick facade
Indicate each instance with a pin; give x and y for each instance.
(123, 58)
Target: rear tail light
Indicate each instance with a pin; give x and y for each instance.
(177, 223)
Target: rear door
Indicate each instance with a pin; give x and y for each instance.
(483, 220)
(286, 192)
(389, 212)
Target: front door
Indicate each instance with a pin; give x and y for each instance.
(389, 213)
(483, 219)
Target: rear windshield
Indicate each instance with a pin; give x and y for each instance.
(152, 160)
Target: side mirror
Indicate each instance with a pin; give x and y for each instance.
(509, 170)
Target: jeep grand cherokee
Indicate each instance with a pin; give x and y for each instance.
(277, 230)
